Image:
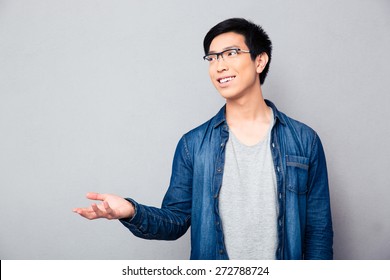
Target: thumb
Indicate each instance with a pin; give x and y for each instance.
(95, 196)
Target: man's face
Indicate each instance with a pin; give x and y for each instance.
(234, 76)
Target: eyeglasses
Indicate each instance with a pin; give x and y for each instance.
(226, 55)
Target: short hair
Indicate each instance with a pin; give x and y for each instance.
(255, 38)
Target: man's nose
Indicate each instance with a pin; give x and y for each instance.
(221, 64)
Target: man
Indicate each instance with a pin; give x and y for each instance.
(251, 182)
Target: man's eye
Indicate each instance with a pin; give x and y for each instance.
(232, 52)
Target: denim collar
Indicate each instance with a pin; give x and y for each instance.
(220, 117)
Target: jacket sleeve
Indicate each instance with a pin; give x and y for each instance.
(318, 242)
(173, 219)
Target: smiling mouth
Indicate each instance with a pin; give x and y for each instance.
(226, 79)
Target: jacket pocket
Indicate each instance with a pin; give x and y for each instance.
(297, 173)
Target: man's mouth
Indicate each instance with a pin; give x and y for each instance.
(225, 79)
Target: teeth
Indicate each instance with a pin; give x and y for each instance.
(225, 80)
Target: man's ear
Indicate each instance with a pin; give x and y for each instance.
(261, 62)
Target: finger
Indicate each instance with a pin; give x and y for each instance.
(95, 208)
(86, 213)
(110, 213)
(95, 196)
(80, 210)
(104, 211)
(107, 207)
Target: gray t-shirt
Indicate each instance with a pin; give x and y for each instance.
(248, 200)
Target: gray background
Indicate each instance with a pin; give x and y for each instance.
(94, 96)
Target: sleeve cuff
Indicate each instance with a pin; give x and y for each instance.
(136, 217)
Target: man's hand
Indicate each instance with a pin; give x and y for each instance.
(112, 207)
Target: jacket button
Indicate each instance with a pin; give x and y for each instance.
(221, 252)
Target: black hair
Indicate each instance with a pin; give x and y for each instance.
(255, 38)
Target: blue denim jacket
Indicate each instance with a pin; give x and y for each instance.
(304, 221)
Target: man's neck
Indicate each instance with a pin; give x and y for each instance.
(249, 108)
(249, 118)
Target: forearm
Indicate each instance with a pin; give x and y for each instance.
(318, 243)
(157, 223)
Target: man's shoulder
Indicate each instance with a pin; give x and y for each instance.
(298, 137)
(290, 123)
(298, 126)
(294, 132)
(207, 126)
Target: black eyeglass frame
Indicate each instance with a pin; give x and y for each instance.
(220, 54)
